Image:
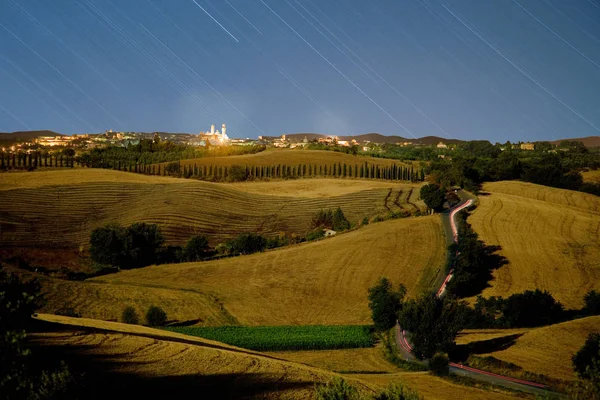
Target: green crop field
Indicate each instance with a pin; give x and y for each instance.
(281, 338)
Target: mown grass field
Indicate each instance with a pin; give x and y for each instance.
(546, 350)
(279, 338)
(322, 282)
(148, 362)
(551, 238)
(59, 209)
(291, 157)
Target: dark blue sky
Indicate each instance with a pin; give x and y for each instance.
(493, 69)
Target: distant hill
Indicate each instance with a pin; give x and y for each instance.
(26, 135)
(374, 138)
(588, 141)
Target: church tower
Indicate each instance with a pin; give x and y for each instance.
(223, 129)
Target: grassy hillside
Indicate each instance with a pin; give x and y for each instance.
(548, 350)
(147, 362)
(550, 236)
(59, 209)
(291, 157)
(322, 282)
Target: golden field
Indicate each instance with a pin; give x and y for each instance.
(59, 209)
(153, 362)
(322, 282)
(548, 350)
(292, 158)
(551, 238)
(591, 176)
(150, 361)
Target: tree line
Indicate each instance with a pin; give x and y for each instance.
(237, 173)
(142, 244)
(37, 159)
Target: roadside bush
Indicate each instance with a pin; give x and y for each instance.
(438, 364)
(398, 391)
(586, 361)
(130, 316)
(156, 316)
(365, 221)
(336, 389)
(196, 248)
(531, 308)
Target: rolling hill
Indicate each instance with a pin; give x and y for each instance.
(329, 278)
(588, 141)
(59, 209)
(551, 238)
(546, 350)
(144, 362)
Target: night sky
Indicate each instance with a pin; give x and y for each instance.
(481, 69)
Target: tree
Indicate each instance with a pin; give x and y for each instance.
(592, 303)
(237, 173)
(433, 196)
(246, 243)
(438, 364)
(196, 248)
(336, 389)
(156, 316)
(433, 323)
(144, 244)
(531, 308)
(130, 316)
(385, 303)
(19, 378)
(173, 169)
(109, 245)
(339, 221)
(586, 361)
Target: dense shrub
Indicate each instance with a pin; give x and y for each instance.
(110, 245)
(592, 303)
(145, 241)
(137, 246)
(586, 361)
(398, 391)
(196, 248)
(156, 316)
(173, 169)
(246, 243)
(336, 389)
(130, 316)
(315, 234)
(237, 173)
(385, 303)
(329, 219)
(438, 364)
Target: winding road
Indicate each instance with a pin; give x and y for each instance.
(403, 338)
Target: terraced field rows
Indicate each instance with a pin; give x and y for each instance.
(64, 215)
(551, 238)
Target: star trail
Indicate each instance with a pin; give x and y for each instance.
(465, 69)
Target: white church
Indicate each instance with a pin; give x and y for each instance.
(215, 137)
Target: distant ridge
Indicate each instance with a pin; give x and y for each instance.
(588, 141)
(375, 138)
(27, 135)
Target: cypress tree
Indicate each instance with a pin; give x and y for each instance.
(350, 171)
(344, 171)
